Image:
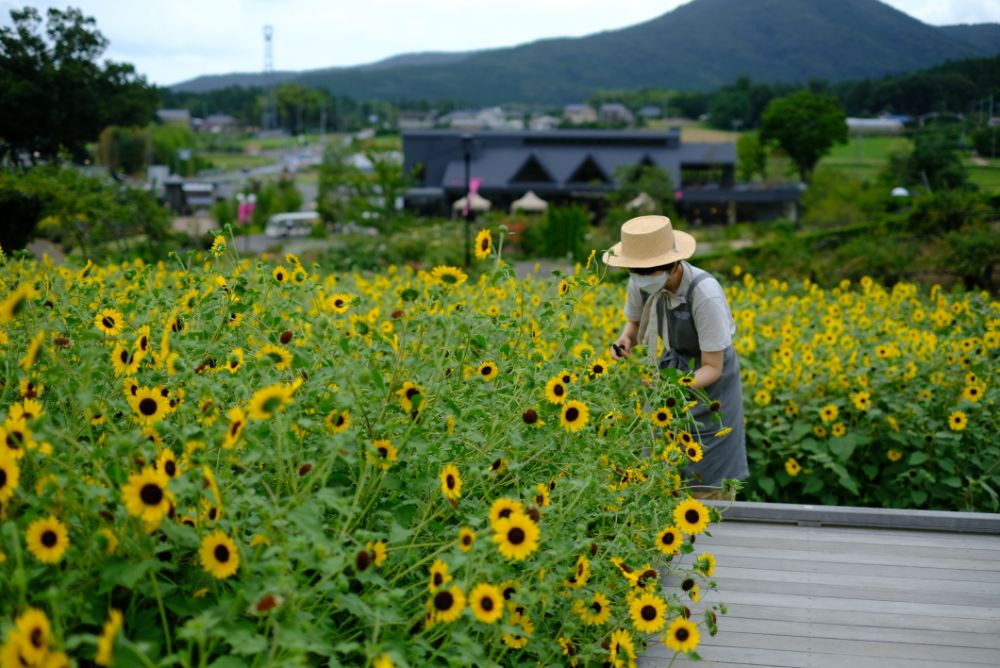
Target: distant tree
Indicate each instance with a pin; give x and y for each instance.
(55, 94)
(751, 157)
(805, 126)
(935, 161)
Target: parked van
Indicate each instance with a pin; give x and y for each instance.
(298, 224)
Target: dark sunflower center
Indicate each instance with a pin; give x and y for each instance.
(681, 634)
(503, 514)
(668, 538)
(49, 538)
(213, 513)
(572, 414)
(143, 342)
(151, 494)
(596, 607)
(340, 420)
(516, 535)
(338, 303)
(37, 638)
(383, 452)
(485, 244)
(687, 584)
(692, 452)
(411, 392)
(221, 553)
(487, 370)
(108, 322)
(648, 613)
(598, 369)
(123, 356)
(443, 601)
(450, 481)
(148, 406)
(692, 516)
(487, 604)
(438, 579)
(3, 478)
(15, 439)
(662, 417)
(170, 467)
(235, 428)
(558, 390)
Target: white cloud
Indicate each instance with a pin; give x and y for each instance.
(179, 39)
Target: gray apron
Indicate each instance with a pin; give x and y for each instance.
(725, 457)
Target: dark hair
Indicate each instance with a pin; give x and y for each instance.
(644, 271)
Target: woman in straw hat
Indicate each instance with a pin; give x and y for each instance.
(673, 300)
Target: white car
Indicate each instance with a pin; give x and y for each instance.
(298, 224)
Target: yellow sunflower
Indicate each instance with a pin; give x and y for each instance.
(14, 302)
(829, 413)
(597, 368)
(124, 361)
(109, 321)
(706, 563)
(691, 516)
(484, 244)
(957, 421)
(555, 390)
(338, 421)
(439, 576)
(669, 540)
(146, 496)
(281, 358)
(280, 274)
(379, 551)
(792, 467)
(9, 476)
(574, 416)
(149, 404)
(693, 451)
(219, 555)
(662, 417)
(237, 423)
(516, 536)
(266, 402)
(339, 302)
(166, 461)
(449, 277)
(466, 539)
(486, 603)
(382, 454)
(447, 604)
(543, 498)
(503, 508)
(595, 612)
(488, 371)
(48, 539)
(410, 395)
(647, 612)
(106, 643)
(15, 437)
(682, 635)
(34, 629)
(451, 482)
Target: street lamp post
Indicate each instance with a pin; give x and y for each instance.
(469, 213)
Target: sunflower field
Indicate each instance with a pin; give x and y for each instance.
(243, 462)
(235, 463)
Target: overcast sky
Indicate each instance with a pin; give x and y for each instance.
(173, 40)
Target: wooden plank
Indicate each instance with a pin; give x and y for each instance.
(900, 608)
(730, 656)
(866, 648)
(877, 570)
(850, 632)
(924, 520)
(857, 535)
(791, 542)
(930, 588)
(983, 629)
(902, 560)
(985, 602)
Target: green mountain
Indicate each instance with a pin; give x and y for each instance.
(698, 46)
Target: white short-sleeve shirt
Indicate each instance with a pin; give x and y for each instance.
(713, 319)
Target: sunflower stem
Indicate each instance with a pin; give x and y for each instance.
(163, 612)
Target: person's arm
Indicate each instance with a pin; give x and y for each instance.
(626, 340)
(710, 369)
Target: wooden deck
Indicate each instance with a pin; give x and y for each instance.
(803, 593)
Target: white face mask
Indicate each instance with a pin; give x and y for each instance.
(650, 284)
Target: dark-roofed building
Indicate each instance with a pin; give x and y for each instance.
(560, 166)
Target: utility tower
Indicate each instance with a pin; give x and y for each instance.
(269, 110)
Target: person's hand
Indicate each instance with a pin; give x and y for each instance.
(621, 348)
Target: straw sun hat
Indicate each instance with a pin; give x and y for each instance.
(649, 241)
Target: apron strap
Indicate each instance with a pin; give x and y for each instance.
(694, 282)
